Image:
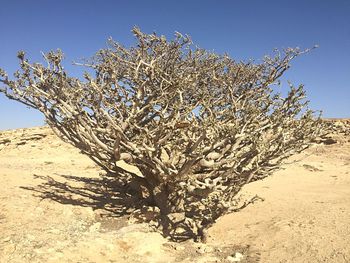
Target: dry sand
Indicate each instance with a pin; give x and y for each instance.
(55, 208)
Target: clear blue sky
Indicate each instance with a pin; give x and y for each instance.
(242, 28)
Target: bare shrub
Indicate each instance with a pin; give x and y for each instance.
(197, 125)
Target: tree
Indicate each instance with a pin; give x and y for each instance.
(197, 125)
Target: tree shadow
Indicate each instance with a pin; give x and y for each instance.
(115, 199)
(105, 193)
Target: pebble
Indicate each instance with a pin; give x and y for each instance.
(54, 231)
(179, 248)
(204, 249)
(95, 227)
(7, 239)
(236, 258)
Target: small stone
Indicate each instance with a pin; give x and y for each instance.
(7, 239)
(95, 227)
(126, 157)
(54, 231)
(201, 249)
(179, 248)
(329, 141)
(180, 230)
(213, 156)
(177, 217)
(339, 124)
(236, 258)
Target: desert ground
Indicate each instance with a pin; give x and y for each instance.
(54, 207)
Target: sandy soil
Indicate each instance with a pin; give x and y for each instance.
(54, 207)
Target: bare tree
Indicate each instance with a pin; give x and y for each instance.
(197, 125)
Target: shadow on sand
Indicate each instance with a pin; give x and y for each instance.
(105, 193)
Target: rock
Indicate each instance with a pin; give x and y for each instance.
(236, 258)
(339, 124)
(7, 239)
(54, 231)
(176, 217)
(205, 163)
(201, 249)
(127, 157)
(3, 141)
(145, 214)
(213, 156)
(329, 141)
(95, 227)
(325, 140)
(180, 231)
(179, 248)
